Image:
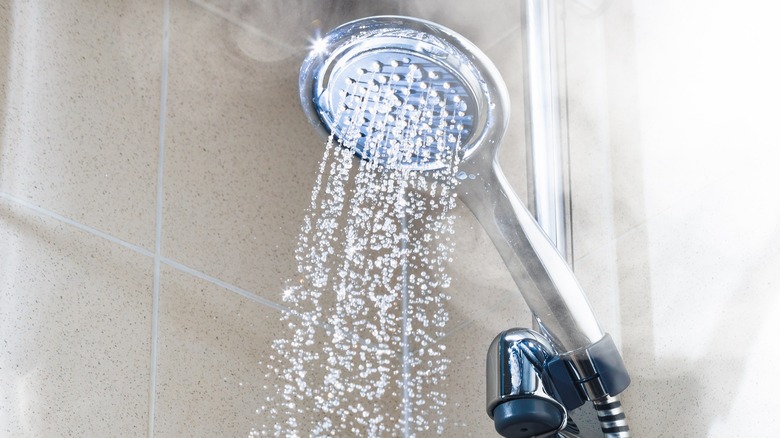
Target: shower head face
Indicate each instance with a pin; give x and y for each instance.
(403, 92)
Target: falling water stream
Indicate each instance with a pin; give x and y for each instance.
(360, 356)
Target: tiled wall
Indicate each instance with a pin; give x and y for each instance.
(155, 165)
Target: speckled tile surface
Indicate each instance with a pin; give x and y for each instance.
(673, 155)
(75, 328)
(81, 111)
(240, 158)
(209, 381)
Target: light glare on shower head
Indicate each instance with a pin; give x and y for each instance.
(318, 46)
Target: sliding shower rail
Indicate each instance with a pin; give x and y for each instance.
(547, 155)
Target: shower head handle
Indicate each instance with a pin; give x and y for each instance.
(544, 278)
(588, 365)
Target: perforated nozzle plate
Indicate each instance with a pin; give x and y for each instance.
(396, 107)
(403, 92)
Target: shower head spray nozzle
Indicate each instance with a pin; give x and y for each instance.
(403, 92)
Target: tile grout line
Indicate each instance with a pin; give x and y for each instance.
(94, 231)
(159, 217)
(146, 253)
(225, 285)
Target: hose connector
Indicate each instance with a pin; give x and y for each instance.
(530, 387)
(517, 397)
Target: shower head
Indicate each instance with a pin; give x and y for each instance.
(403, 92)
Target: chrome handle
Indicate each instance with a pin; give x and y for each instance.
(545, 280)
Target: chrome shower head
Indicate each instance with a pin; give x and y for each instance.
(408, 93)
(403, 92)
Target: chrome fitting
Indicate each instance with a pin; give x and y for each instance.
(517, 399)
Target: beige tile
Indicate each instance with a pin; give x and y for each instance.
(215, 348)
(215, 344)
(209, 381)
(240, 158)
(5, 40)
(81, 121)
(75, 318)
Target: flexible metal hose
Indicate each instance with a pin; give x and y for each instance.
(612, 418)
